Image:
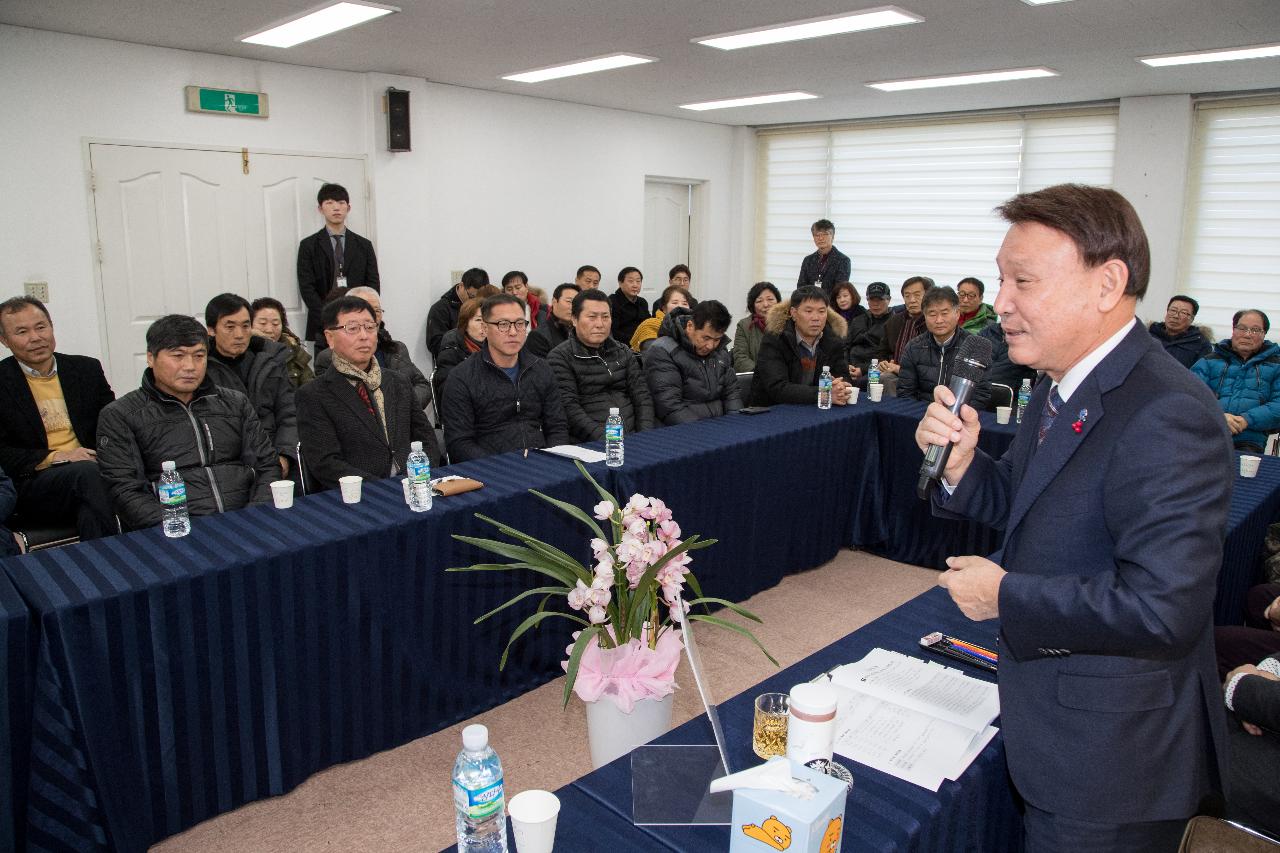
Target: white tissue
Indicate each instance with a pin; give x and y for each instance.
(774, 775)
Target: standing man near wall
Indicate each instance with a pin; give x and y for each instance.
(333, 259)
(828, 266)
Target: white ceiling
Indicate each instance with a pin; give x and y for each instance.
(1093, 43)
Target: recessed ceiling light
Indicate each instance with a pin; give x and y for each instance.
(584, 66)
(1261, 51)
(1042, 2)
(319, 22)
(963, 79)
(831, 25)
(778, 98)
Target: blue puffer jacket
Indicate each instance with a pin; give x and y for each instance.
(1248, 388)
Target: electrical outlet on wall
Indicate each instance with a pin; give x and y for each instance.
(37, 290)
(455, 276)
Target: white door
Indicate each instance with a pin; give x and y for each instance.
(177, 226)
(666, 233)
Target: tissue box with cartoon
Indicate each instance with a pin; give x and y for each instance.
(770, 820)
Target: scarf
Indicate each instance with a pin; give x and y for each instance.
(911, 328)
(757, 321)
(471, 345)
(367, 384)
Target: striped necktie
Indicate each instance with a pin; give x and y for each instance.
(1051, 408)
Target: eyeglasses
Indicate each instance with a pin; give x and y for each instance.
(1178, 312)
(1250, 330)
(505, 326)
(356, 328)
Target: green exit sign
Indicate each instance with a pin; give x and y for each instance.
(227, 102)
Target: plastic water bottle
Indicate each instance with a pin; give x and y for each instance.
(825, 381)
(873, 373)
(478, 798)
(1024, 397)
(173, 500)
(613, 439)
(418, 468)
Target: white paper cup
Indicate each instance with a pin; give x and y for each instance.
(407, 485)
(533, 820)
(282, 493)
(1003, 413)
(350, 485)
(1249, 465)
(876, 390)
(853, 395)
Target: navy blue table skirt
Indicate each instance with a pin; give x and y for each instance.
(17, 645)
(1255, 503)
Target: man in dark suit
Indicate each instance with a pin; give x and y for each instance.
(333, 260)
(48, 433)
(358, 418)
(828, 266)
(1104, 587)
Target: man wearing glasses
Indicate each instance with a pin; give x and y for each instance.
(1183, 341)
(1243, 372)
(356, 418)
(502, 398)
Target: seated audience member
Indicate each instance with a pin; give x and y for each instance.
(866, 332)
(516, 283)
(595, 373)
(559, 326)
(674, 296)
(391, 354)
(587, 277)
(257, 368)
(689, 369)
(356, 418)
(1258, 637)
(271, 322)
(48, 435)
(459, 344)
(1252, 695)
(975, 315)
(211, 433)
(1003, 370)
(1179, 335)
(504, 398)
(443, 315)
(8, 500)
(680, 276)
(1244, 372)
(902, 326)
(628, 307)
(846, 301)
(929, 360)
(828, 265)
(803, 336)
(746, 339)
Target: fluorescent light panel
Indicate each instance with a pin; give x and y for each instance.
(1261, 51)
(584, 66)
(963, 79)
(319, 22)
(778, 98)
(1042, 2)
(831, 25)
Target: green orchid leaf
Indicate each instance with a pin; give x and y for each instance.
(741, 611)
(561, 590)
(733, 626)
(572, 511)
(533, 621)
(604, 493)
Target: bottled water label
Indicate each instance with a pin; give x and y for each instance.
(173, 494)
(613, 432)
(480, 804)
(418, 471)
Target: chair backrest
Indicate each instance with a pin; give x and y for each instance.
(744, 386)
(1210, 835)
(1001, 395)
(1273, 444)
(32, 536)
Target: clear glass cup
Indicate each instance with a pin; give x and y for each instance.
(769, 733)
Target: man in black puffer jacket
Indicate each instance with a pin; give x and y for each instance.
(179, 414)
(596, 373)
(802, 336)
(929, 359)
(502, 398)
(689, 369)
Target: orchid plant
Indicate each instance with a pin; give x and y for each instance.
(629, 600)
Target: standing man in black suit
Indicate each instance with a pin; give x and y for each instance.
(828, 266)
(48, 433)
(333, 259)
(357, 418)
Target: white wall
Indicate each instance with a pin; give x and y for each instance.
(498, 181)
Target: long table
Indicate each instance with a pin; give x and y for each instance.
(17, 644)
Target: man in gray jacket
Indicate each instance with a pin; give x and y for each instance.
(689, 369)
(211, 433)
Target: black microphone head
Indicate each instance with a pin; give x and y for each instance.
(972, 358)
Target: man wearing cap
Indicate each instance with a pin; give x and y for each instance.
(866, 331)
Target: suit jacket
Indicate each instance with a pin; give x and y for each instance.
(23, 441)
(1110, 703)
(340, 436)
(316, 271)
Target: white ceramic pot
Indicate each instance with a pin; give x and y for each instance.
(613, 733)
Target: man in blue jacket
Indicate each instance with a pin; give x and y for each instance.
(1243, 372)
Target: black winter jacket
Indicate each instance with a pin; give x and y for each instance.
(779, 376)
(223, 454)
(486, 413)
(866, 339)
(442, 317)
(266, 383)
(626, 315)
(927, 364)
(453, 351)
(592, 381)
(547, 337)
(684, 385)
(1188, 347)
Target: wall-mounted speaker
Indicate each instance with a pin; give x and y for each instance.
(398, 120)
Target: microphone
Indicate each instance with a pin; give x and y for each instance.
(970, 362)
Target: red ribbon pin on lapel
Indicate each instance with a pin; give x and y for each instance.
(1078, 426)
